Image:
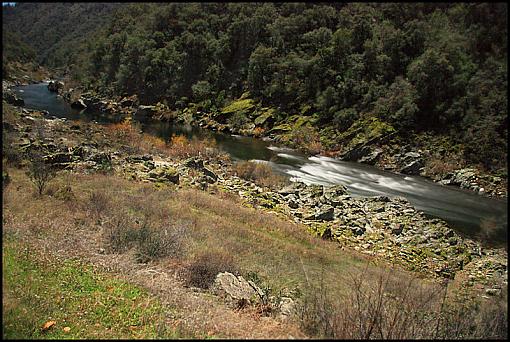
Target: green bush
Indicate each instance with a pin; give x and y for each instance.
(238, 120)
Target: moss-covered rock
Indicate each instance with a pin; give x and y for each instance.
(245, 105)
(282, 128)
(267, 117)
(164, 174)
(366, 131)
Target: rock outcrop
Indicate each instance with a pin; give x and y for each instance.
(12, 98)
(55, 86)
(236, 290)
(79, 104)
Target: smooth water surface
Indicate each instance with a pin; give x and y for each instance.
(469, 213)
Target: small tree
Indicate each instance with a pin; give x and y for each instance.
(40, 172)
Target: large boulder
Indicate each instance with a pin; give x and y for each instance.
(11, 98)
(287, 308)
(59, 158)
(413, 168)
(358, 153)
(144, 113)
(325, 213)
(370, 157)
(413, 163)
(198, 164)
(195, 163)
(266, 118)
(210, 175)
(55, 86)
(130, 101)
(100, 157)
(236, 290)
(293, 189)
(334, 194)
(78, 104)
(163, 174)
(463, 177)
(91, 101)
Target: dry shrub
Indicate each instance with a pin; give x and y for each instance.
(123, 131)
(6, 179)
(441, 166)
(399, 308)
(258, 132)
(152, 242)
(178, 146)
(120, 233)
(202, 270)
(181, 147)
(99, 203)
(153, 142)
(475, 319)
(40, 172)
(307, 138)
(259, 173)
(130, 133)
(65, 193)
(158, 242)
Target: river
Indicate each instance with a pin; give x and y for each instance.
(468, 213)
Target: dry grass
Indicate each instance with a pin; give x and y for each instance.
(10, 152)
(400, 308)
(283, 254)
(260, 173)
(257, 242)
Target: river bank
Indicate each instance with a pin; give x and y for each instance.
(385, 229)
(372, 142)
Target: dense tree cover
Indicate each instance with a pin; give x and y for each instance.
(14, 50)
(417, 66)
(56, 31)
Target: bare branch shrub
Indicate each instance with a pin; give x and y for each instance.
(120, 233)
(481, 319)
(151, 242)
(39, 172)
(99, 203)
(157, 242)
(6, 179)
(399, 308)
(203, 269)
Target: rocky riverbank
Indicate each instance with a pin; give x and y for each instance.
(385, 229)
(371, 142)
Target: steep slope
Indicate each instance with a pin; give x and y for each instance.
(56, 30)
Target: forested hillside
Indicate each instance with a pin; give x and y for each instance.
(439, 68)
(56, 31)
